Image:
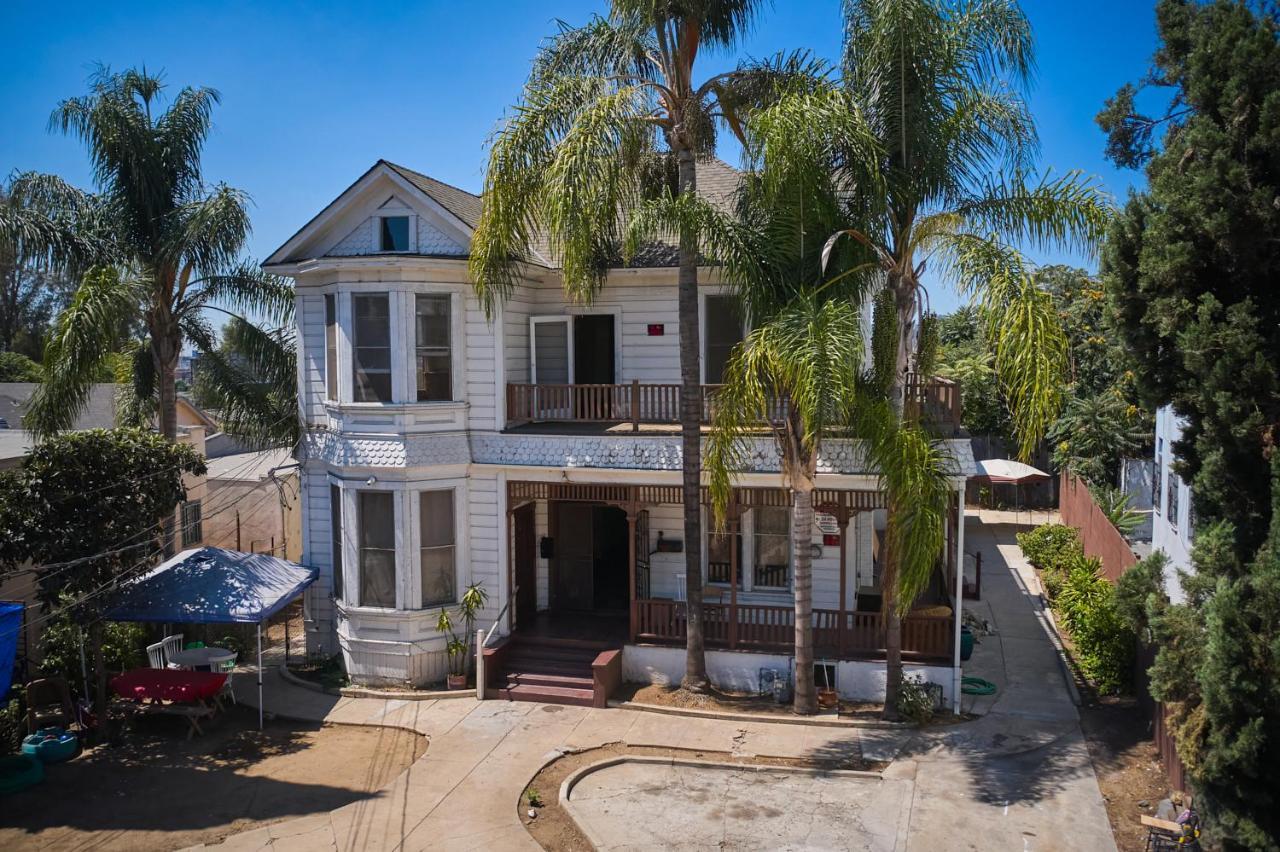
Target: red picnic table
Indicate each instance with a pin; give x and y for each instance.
(171, 691)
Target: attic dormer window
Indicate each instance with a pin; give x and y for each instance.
(394, 234)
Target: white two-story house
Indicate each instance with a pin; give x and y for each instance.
(538, 454)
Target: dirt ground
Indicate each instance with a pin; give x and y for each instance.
(160, 791)
(1127, 764)
(732, 702)
(553, 829)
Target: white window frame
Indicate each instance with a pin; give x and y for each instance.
(415, 505)
(534, 322)
(702, 330)
(455, 341)
(394, 212)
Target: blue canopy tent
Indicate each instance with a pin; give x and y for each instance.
(213, 586)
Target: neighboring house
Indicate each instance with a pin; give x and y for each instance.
(1172, 513)
(538, 454)
(253, 503)
(99, 411)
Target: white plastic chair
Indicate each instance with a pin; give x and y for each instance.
(171, 644)
(155, 655)
(224, 664)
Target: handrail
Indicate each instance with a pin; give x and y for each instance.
(496, 622)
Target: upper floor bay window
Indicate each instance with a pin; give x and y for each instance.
(393, 235)
(437, 563)
(434, 362)
(772, 533)
(371, 347)
(331, 346)
(377, 538)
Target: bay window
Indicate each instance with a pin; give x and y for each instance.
(434, 359)
(371, 347)
(335, 538)
(331, 346)
(437, 554)
(377, 548)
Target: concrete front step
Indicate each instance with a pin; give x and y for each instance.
(543, 678)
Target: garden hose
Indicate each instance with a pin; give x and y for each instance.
(977, 686)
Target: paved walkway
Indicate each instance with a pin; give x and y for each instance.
(1019, 778)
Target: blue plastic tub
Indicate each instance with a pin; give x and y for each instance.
(18, 772)
(50, 745)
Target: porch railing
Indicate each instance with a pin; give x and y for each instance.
(772, 628)
(936, 400)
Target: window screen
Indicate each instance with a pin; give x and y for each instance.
(395, 233)
(435, 363)
(331, 346)
(437, 533)
(371, 351)
(723, 332)
(335, 543)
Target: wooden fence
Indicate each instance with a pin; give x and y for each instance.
(1098, 535)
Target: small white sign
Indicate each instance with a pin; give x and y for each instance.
(826, 523)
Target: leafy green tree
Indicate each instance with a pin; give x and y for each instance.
(19, 368)
(965, 358)
(930, 144)
(613, 114)
(1094, 434)
(165, 245)
(1190, 264)
(87, 508)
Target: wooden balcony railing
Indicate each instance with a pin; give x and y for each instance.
(936, 401)
(772, 628)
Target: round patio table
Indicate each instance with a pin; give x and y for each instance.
(192, 658)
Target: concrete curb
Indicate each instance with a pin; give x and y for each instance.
(723, 716)
(566, 786)
(1067, 674)
(368, 692)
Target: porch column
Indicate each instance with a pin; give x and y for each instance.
(632, 513)
(842, 520)
(731, 524)
(958, 608)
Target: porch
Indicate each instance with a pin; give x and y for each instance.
(747, 602)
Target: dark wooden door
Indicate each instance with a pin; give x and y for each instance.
(593, 349)
(526, 567)
(574, 556)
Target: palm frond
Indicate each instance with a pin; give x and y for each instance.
(603, 47)
(85, 335)
(246, 289)
(1072, 211)
(209, 231)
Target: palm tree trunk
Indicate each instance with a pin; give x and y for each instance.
(806, 699)
(695, 676)
(166, 343)
(904, 293)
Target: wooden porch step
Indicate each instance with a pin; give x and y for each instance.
(519, 655)
(544, 694)
(544, 678)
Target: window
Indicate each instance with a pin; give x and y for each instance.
(435, 366)
(192, 533)
(719, 568)
(435, 520)
(335, 540)
(331, 346)
(394, 234)
(772, 548)
(723, 332)
(377, 549)
(1173, 500)
(371, 349)
(1156, 476)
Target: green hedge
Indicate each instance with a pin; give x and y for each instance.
(1085, 604)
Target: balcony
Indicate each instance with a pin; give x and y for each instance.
(638, 406)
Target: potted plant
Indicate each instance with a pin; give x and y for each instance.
(827, 695)
(459, 647)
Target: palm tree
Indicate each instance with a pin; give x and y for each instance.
(164, 248)
(938, 85)
(612, 115)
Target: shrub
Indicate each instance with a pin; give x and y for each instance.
(1052, 548)
(123, 648)
(12, 726)
(916, 701)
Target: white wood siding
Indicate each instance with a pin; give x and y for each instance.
(309, 314)
(480, 363)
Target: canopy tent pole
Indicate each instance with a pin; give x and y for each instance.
(259, 675)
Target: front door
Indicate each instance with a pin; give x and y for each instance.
(526, 566)
(574, 556)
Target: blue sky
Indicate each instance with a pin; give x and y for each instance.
(313, 92)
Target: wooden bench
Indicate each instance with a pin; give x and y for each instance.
(1164, 834)
(193, 713)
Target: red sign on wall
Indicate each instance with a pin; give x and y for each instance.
(657, 329)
